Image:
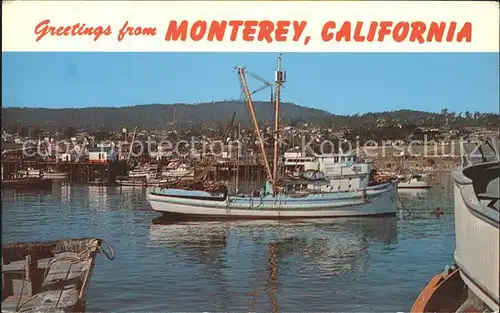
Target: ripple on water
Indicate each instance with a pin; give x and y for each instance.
(364, 264)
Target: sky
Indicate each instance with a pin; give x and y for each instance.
(341, 83)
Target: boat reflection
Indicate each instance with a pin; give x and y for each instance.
(267, 250)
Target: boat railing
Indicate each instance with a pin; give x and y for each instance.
(476, 226)
(482, 151)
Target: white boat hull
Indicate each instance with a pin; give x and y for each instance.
(414, 185)
(135, 182)
(184, 174)
(381, 200)
(51, 175)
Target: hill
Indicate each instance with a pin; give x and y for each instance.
(158, 116)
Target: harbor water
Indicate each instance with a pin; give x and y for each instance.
(347, 264)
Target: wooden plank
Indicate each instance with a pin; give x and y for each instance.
(18, 266)
(60, 290)
(10, 303)
(59, 271)
(55, 301)
(23, 285)
(7, 289)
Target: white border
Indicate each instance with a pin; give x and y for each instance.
(21, 17)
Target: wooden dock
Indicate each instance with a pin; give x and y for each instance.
(78, 172)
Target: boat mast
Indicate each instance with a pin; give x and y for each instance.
(131, 146)
(279, 79)
(241, 73)
(238, 159)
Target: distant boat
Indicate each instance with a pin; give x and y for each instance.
(413, 181)
(340, 190)
(140, 178)
(182, 171)
(28, 183)
(44, 174)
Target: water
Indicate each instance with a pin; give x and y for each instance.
(356, 265)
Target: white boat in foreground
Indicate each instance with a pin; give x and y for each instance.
(471, 284)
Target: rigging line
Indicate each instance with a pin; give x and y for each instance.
(262, 80)
(257, 77)
(300, 101)
(260, 89)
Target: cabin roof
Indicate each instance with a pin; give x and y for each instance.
(97, 150)
(305, 182)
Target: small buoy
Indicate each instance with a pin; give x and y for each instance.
(439, 211)
(364, 196)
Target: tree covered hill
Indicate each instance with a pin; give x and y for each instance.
(158, 116)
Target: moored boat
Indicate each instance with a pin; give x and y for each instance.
(182, 171)
(28, 183)
(377, 200)
(334, 185)
(472, 283)
(413, 181)
(44, 174)
(50, 276)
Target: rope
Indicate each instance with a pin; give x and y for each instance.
(21, 294)
(228, 209)
(111, 250)
(409, 212)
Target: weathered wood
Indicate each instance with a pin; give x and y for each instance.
(67, 265)
(18, 266)
(64, 270)
(56, 300)
(11, 303)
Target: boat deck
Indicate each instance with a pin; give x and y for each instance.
(476, 227)
(47, 276)
(491, 198)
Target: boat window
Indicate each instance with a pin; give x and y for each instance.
(336, 159)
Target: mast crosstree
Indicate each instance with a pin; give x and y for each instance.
(279, 79)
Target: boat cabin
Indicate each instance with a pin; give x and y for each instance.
(343, 170)
(102, 155)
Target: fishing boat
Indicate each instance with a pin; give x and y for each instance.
(181, 171)
(45, 174)
(50, 276)
(413, 181)
(138, 182)
(344, 192)
(28, 183)
(471, 283)
(142, 176)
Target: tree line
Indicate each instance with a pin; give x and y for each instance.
(213, 116)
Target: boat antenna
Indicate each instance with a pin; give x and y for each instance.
(279, 78)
